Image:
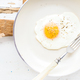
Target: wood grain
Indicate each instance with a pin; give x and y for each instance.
(6, 27)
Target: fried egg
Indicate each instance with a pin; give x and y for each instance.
(57, 31)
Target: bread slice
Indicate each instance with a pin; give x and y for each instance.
(6, 27)
(24, 1)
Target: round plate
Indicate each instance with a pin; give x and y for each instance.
(33, 53)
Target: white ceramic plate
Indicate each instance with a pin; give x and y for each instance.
(33, 53)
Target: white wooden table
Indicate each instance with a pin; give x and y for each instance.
(12, 66)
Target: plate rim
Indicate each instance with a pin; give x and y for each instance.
(19, 52)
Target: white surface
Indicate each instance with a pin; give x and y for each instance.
(11, 65)
(31, 50)
(6, 3)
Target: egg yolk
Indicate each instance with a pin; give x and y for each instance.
(51, 30)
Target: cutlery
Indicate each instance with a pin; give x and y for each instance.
(70, 49)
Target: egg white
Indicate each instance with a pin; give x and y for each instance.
(69, 27)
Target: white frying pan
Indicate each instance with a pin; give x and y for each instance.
(29, 49)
